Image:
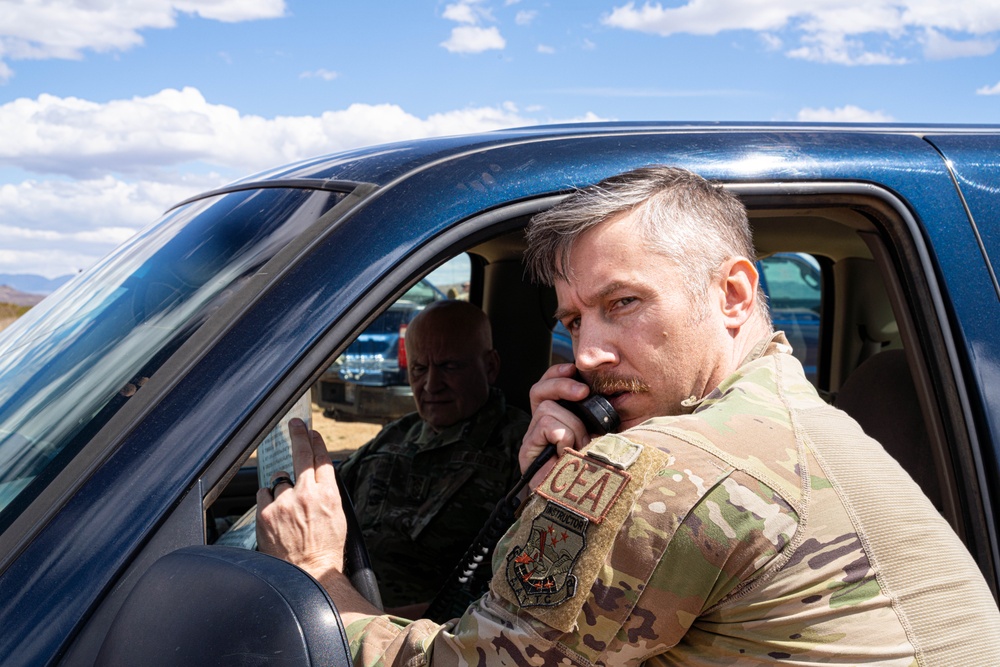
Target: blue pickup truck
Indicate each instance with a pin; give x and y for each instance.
(132, 400)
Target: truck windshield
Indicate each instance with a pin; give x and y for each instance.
(73, 361)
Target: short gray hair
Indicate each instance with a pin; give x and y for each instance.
(693, 223)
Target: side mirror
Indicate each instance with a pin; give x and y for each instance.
(213, 605)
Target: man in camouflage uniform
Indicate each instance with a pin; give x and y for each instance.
(736, 519)
(425, 485)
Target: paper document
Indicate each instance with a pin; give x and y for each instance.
(273, 454)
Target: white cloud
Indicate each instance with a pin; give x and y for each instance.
(462, 12)
(989, 90)
(325, 74)
(845, 114)
(699, 17)
(837, 49)
(849, 32)
(939, 47)
(229, 11)
(470, 37)
(57, 227)
(589, 117)
(108, 169)
(141, 135)
(545, 48)
(50, 261)
(771, 42)
(470, 12)
(588, 45)
(68, 28)
(525, 16)
(473, 39)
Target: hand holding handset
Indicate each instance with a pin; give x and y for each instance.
(468, 581)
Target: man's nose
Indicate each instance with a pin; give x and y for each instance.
(433, 380)
(593, 349)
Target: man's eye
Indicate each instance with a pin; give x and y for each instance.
(572, 325)
(418, 370)
(624, 301)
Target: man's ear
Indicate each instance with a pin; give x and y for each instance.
(738, 280)
(492, 366)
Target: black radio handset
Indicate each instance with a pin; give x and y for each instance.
(596, 413)
(468, 581)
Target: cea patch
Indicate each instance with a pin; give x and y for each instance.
(540, 572)
(584, 485)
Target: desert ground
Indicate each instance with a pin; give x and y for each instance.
(342, 438)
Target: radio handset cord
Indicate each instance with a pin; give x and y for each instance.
(470, 578)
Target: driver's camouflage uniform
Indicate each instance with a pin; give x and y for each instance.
(422, 496)
(762, 528)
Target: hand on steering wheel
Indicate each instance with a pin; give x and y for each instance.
(312, 523)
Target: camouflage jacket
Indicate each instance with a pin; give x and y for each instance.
(421, 497)
(762, 528)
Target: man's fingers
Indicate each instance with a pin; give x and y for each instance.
(563, 425)
(559, 382)
(280, 482)
(302, 450)
(264, 498)
(322, 464)
(551, 424)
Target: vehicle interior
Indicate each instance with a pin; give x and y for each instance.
(846, 276)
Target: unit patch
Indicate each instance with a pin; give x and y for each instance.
(584, 485)
(541, 572)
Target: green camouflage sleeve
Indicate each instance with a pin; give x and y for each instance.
(680, 534)
(739, 528)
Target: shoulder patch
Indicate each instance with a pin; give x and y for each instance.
(615, 450)
(540, 572)
(613, 500)
(584, 485)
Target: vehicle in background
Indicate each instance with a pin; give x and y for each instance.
(792, 282)
(368, 382)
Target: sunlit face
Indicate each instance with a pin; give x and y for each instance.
(637, 338)
(450, 374)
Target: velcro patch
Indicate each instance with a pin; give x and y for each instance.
(615, 450)
(540, 572)
(584, 485)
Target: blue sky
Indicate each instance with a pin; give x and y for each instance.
(111, 111)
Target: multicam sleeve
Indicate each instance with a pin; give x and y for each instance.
(389, 640)
(692, 535)
(736, 531)
(489, 628)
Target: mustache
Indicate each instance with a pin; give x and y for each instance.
(608, 384)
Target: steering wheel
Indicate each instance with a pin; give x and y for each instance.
(357, 563)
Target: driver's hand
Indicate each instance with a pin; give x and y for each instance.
(550, 422)
(304, 524)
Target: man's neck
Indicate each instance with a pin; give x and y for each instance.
(743, 343)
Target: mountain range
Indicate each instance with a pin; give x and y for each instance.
(9, 295)
(31, 283)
